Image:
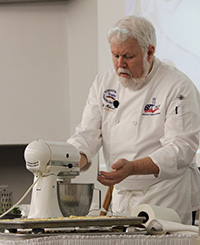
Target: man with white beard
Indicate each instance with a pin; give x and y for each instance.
(145, 115)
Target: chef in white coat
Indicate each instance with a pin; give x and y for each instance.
(146, 116)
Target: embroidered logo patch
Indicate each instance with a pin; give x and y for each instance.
(151, 109)
(109, 97)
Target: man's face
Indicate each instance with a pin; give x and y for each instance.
(131, 65)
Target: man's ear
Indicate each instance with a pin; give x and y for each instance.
(150, 52)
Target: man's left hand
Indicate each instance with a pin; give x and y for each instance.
(121, 170)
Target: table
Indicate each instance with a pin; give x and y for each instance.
(177, 239)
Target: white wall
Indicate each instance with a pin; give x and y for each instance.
(33, 72)
(48, 62)
(109, 12)
(82, 54)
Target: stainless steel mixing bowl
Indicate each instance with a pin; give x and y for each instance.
(74, 198)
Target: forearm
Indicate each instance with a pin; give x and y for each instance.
(124, 168)
(143, 166)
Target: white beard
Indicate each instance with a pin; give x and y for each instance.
(134, 83)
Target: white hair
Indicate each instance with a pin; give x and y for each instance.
(135, 27)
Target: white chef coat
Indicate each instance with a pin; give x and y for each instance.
(162, 121)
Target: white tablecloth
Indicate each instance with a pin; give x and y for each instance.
(105, 239)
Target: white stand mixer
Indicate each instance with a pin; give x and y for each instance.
(49, 161)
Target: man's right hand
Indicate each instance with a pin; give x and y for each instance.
(84, 164)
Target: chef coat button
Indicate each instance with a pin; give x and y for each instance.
(134, 123)
(116, 121)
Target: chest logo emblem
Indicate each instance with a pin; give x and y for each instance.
(151, 109)
(109, 99)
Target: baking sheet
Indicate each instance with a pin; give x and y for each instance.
(18, 236)
(75, 222)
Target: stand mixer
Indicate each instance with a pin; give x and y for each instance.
(49, 161)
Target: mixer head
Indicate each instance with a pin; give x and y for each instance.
(46, 157)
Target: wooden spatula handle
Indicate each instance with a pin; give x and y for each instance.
(107, 200)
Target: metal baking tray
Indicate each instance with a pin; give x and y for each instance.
(75, 222)
(18, 236)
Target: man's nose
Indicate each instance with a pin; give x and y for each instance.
(121, 62)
